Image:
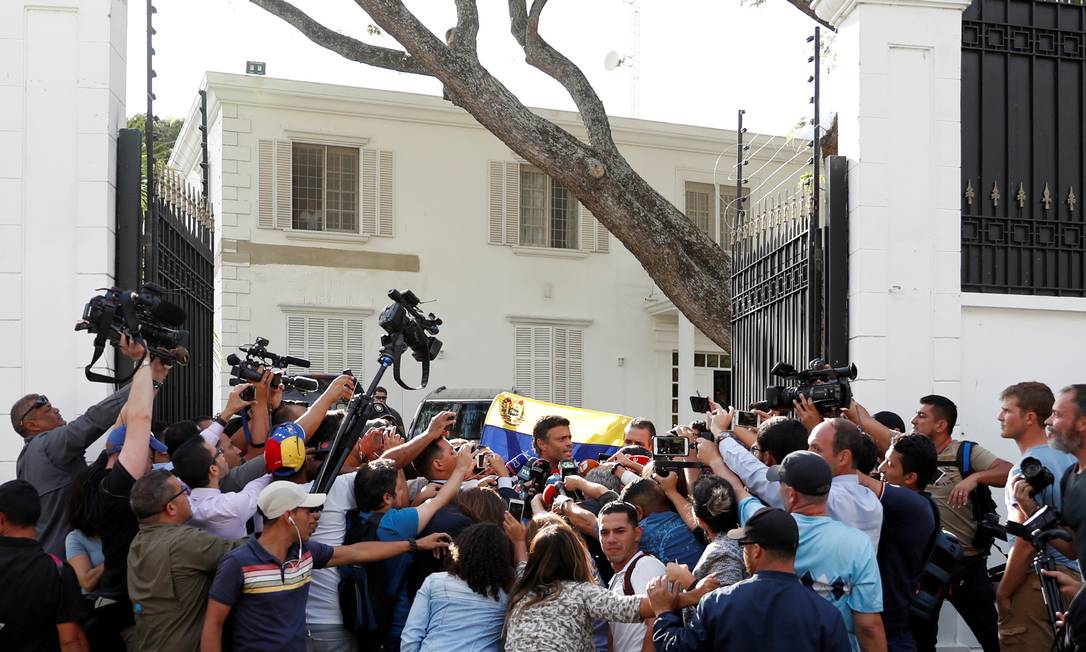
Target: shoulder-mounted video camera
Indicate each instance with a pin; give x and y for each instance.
(259, 359)
(406, 327)
(143, 315)
(827, 387)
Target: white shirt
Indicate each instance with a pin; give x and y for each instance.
(849, 501)
(225, 515)
(629, 637)
(322, 607)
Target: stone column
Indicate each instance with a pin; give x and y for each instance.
(898, 79)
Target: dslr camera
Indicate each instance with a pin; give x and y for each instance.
(1035, 473)
(145, 315)
(827, 387)
(257, 356)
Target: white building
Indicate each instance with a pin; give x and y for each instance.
(327, 196)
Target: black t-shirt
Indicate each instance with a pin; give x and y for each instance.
(1073, 485)
(116, 524)
(908, 522)
(36, 594)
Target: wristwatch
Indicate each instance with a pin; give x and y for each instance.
(413, 544)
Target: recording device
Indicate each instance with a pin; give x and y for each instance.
(666, 448)
(257, 356)
(405, 328)
(934, 579)
(746, 419)
(827, 387)
(603, 457)
(1035, 473)
(533, 477)
(144, 315)
(670, 446)
(405, 324)
(516, 508)
(699, 404)
(480, 463)
(1041, 528)
(567, 468)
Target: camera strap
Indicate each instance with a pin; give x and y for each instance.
(103, 327)
(425, 374)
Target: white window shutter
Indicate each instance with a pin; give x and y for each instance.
(336, 345)
(315, 342)
(561, 366)
(512, 203)
(603, 244)
(575, 367)
(522, 360)
(542, 380)
(385, 190)
(296, 337)
(369, 191)
(495, 230)
(355, 354)
(265, 156)
(283, 177)
(588, 228)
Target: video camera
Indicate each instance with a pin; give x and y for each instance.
(667, 449)
(827, 387)
(145, 315)
(259, 359)
(415, 331)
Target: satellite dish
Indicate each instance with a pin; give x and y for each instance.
(612, 60)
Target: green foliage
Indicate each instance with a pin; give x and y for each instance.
(166, 131)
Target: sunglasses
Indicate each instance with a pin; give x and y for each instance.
(41, 401)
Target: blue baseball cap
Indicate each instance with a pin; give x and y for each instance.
(116, 441)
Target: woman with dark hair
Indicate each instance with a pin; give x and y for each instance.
(554, 602)
(717, 512)
(482, 505)
(463, 608)
(82, 547)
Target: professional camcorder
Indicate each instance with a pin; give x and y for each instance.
(143, 315)
(403, 316)
(259, 359)
(827, 387)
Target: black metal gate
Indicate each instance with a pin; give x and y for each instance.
(168, 241)
(1023, 147)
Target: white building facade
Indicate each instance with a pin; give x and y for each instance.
(328, 196)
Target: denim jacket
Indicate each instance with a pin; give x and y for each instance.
(448, 615)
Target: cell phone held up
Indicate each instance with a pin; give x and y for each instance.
(516, 508)
(699, 404)
(746, 419)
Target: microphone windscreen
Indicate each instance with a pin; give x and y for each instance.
(168, 313)
(306, 384)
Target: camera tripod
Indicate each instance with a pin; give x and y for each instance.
(1050, 588)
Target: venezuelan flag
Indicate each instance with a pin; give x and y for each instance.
(507, 429)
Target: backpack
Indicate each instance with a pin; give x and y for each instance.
(980, 499)
(942, 558)
(627, 579)
(363, 588)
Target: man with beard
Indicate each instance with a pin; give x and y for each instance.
(1066, 429)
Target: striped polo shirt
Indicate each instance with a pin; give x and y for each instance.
(268, 597)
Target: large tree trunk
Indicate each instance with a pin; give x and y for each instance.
(688, 266)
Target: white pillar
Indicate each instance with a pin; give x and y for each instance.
(686, 368)
(62, 77)
(898, 101)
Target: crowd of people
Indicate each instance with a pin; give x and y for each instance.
(821, 530)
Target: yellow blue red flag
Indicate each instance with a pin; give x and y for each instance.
(507, 429)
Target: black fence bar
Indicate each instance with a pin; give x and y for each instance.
(836, 261)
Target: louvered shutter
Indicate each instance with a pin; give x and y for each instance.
(384, 188)
(503, 222)
(355, 353)
(283, 174)
(336, 346)
(542, 377)
(512, 203)
(369, 191)
(603, 237)
(265, 157)
(315, 342)
(561, 365)
(522, 359)
(594, 236)
(296, 337)
(575, 367)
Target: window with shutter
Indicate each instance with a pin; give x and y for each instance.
(331, 342)
(324, 188)
(265, 181)
(548, 363)
(594, 235)
(699, 206)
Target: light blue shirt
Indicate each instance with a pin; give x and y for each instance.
(836, 561)
(448, 615)
(849, 501)
(1057, 463)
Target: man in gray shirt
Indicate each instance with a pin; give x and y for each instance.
(53, 450)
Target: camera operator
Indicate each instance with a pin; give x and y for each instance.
(1023, 619)
(1066, 430)
(963, 496)
(53, 449)
(840, 443)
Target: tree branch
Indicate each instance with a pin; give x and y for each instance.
(341, 44)
(467, 27)
(540, 54)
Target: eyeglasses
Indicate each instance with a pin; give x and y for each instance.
(218, 451)
(41, 401)
(755, 449)
(184, 490)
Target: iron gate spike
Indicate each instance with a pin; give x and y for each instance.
(1071, 199)
(1046, 198)
(1021, 196)
(995, 193)
(969, 193)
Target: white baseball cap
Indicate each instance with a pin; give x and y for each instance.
(281, 496)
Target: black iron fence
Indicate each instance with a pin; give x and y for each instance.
(1023, 147)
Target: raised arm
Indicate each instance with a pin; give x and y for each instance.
(141, 399)
(406, 453)
(342, 388)
(464, 462)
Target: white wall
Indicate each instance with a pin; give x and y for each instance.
(62, 84)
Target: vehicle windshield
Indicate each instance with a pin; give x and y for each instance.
(469, 417)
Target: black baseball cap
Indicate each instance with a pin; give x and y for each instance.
(771, 528)
(804, 471)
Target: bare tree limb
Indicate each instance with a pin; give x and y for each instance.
(341, 44)
(540, 54)
(467, 26)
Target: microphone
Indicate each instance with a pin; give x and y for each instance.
(233, 360)
(168, 313)
(304, 384)
(297, 362)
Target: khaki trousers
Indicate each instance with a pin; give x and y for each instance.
(1025, 627)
